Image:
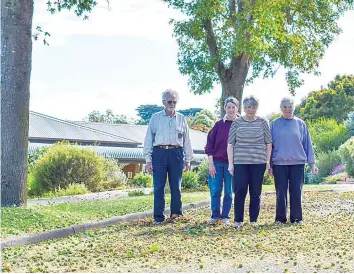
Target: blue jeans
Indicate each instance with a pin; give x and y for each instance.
(222, 177)
(167, 162)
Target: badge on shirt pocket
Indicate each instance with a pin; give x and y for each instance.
(180, 135)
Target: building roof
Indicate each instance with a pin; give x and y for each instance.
(137, 133)
(47, 128)
(129, 154)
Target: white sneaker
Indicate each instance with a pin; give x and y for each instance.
(237, 225)
(226, 221)
(213, 221)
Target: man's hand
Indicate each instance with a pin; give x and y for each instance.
(314, 170)
(231, 169)
(212, 170)
(149, 166)
(187, 166)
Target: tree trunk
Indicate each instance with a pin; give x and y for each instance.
(233, 81)
(16, 51)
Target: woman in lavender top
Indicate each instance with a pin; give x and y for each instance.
(292, 148)
(218, 163)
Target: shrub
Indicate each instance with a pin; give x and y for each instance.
(72, 189)
(267, 179)
(33, 157)
(327, 135)
(190, 180)
(203, 172)
(334, 178)
(346, 152)
(312, 179)
(326, 162)
(64, 164)
(349, 124)
(142, 180)
(136, 193)
(115, 177)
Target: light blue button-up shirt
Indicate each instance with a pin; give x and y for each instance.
(166, 130)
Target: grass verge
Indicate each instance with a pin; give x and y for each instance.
(322, 244)
(19, 221)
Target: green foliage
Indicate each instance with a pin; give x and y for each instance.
(203, 173)
(136, 193)
(327, 134)
(326, 161)
(347, 154)
(81, 8)
(334, 102)
(65, 164)
(142, 180)
(333, 179)
(214, 36)
(203, 120)
(146, 111)
(267, 179)
(349, 124)
(32, 158)
(190, 180)
(273, 116)
(190, 112)
(313, 179)
(72, 189)
(108, 117)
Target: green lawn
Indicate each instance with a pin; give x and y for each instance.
(323, 244)
(19, 221)
(306, 187)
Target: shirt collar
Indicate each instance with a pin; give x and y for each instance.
(225, 118)
(165, 113)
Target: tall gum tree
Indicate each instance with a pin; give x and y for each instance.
(16, 52)
(231, 42)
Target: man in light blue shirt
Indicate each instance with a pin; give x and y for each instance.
(167, 151)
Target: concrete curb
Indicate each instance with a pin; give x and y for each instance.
(71, 230)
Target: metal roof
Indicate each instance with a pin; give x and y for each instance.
(43, 127)
(131, 154)
(137, 133)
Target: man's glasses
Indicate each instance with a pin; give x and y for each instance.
(170, 102)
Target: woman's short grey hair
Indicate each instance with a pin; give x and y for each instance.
(169, 92)
(232, 100)
(286, 101)
(250, 101)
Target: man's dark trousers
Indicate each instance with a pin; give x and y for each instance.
(171, 162)
(292, 177)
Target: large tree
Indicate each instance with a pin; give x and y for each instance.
(16, 52)
(108, 117)
(220, 40)
(335, 101)
(145, 112)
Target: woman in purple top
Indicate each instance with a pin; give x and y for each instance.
(292, 148)
(218, 163)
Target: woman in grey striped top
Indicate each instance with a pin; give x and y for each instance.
(249, 150)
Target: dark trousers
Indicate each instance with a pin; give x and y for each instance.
(167, 161)
(291, 177)
(248, 176)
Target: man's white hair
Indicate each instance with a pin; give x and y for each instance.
(169, 92)
(286, 101)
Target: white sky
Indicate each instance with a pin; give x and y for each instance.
(126, 56)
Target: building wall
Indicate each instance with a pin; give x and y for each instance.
(132, 169)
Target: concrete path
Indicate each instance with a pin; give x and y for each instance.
(116, 194)
(106, 195)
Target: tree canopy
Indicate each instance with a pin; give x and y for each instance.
(108, 117)
(220, 40)
(335, 101)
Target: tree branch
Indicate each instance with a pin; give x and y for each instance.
(232, 8)
(213, 48)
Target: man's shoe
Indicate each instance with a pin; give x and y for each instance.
(213, 221)
(226, 222)
(237, 225)
(174, 216)
(299, 222)
(253, 223)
